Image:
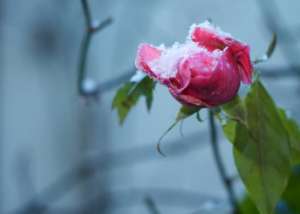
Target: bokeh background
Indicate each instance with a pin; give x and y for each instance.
(59, 154)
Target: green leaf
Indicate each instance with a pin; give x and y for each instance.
(235, 109)
(234, 112)
(186, 111)
(229, 130)
(291, 195)
(246, 206)
(294, 136)
(129, 94)
(261, 150)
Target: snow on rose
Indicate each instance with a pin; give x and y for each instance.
(205, 71)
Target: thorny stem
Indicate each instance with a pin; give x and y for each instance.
(227, 181)
(85, 44)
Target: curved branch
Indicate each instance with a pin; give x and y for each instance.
(90, 30)
(226, 179)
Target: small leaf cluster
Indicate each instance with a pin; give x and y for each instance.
(129, 94)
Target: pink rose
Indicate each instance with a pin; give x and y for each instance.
(205, 71)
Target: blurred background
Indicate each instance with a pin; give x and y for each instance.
(59, 154)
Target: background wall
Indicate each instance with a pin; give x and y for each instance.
(60, 155)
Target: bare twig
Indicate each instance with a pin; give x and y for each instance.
(105, 163)
(226, 179)
(151, 205)
(273, 20)
(128, 197)
(279, 72)
(270, 73)
(90, 30)
(67, 181)
(115, 82)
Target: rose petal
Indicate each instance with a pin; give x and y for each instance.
(241, 53)
(182, 79)
(208, 39)
(211, 88)
(212, 39)
(146, 53)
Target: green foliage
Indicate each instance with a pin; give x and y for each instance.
(229, 130)
(294, 136)
(234, 112)
(291, 196)
(246, 206)
(261, 146)
(289, 203)
(235, 109)
(186, 111)
(129, 94)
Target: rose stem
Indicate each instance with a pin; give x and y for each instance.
(227, 182)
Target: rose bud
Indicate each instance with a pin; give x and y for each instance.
(205, 71)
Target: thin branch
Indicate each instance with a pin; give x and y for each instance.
(86, 12)
(85, 44)
(67, 181)
(267, 72)
(129, 197)
(279, 72)
(105, 23)
(151, 205)
(115, 82)
(226, 179)
(275, 22)
(105, 163)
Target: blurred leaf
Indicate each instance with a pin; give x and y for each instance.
(261, 150)
(291, 195)
(129, 94)
(294, 136)
(235, 108)
(246, 206)
(229, 130)
(235, 112)
(186, 111)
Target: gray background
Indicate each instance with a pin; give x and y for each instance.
(47, 131)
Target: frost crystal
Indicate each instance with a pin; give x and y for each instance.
(89, 85)
(138, 76)
(166, 65)
(210, 27)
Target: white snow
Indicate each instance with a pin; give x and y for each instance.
(210, 27)
(166, 65)
(89, 85)
(138, 76)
